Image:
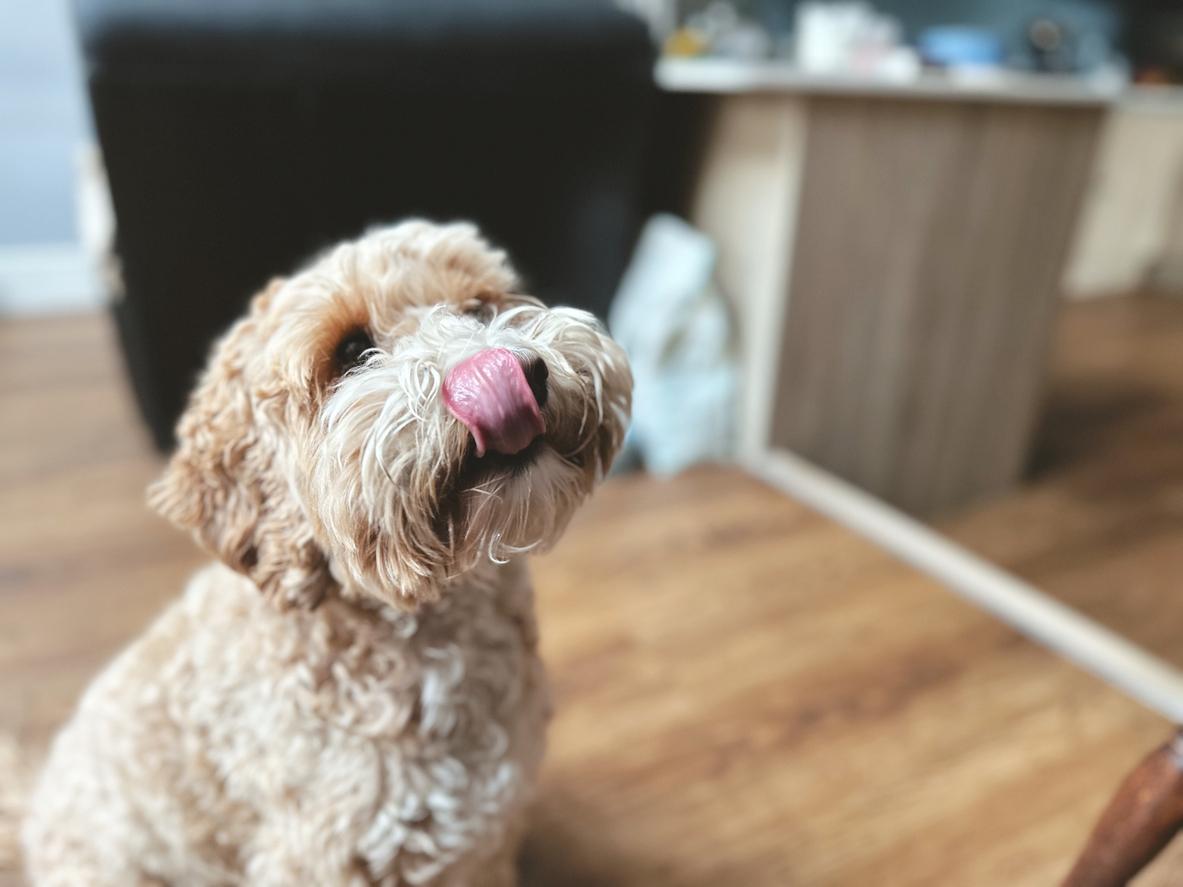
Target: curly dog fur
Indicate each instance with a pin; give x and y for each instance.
(353, 694)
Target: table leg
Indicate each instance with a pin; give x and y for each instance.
(1141, 819)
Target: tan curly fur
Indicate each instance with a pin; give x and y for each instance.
(376, 714)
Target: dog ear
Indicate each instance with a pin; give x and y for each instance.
(223, 482)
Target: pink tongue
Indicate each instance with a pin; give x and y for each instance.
(489, 393)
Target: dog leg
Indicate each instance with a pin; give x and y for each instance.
(65, 864)
(498, 870)
(61, 850)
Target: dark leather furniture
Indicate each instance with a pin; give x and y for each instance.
(240, 136)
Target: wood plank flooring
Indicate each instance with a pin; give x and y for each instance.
(746, 692)
(1100, 523)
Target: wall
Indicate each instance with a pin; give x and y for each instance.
(1130, 237)
(44, 134)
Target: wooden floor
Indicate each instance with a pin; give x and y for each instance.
(1100, 525)
(747, 694)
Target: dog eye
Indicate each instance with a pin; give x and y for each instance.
(352, 350)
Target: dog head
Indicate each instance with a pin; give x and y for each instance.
(391, 417)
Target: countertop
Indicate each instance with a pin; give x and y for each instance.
(729, 76)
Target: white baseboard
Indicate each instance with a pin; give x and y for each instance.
(1095, 648)
(52, 278)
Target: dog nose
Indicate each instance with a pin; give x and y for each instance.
(537, 376)
(498, 400)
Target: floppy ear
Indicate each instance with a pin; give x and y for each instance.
(225, 482)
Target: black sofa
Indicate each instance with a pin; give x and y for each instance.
(241, 136)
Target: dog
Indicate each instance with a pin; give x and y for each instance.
(351, 694)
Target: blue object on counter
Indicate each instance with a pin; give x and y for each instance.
(955, 46)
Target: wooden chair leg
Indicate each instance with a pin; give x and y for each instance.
(1141, 819)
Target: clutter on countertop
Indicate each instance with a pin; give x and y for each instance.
(959, 46)
(852, 39)
(896, 42)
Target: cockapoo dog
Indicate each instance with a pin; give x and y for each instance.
(354, 694)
